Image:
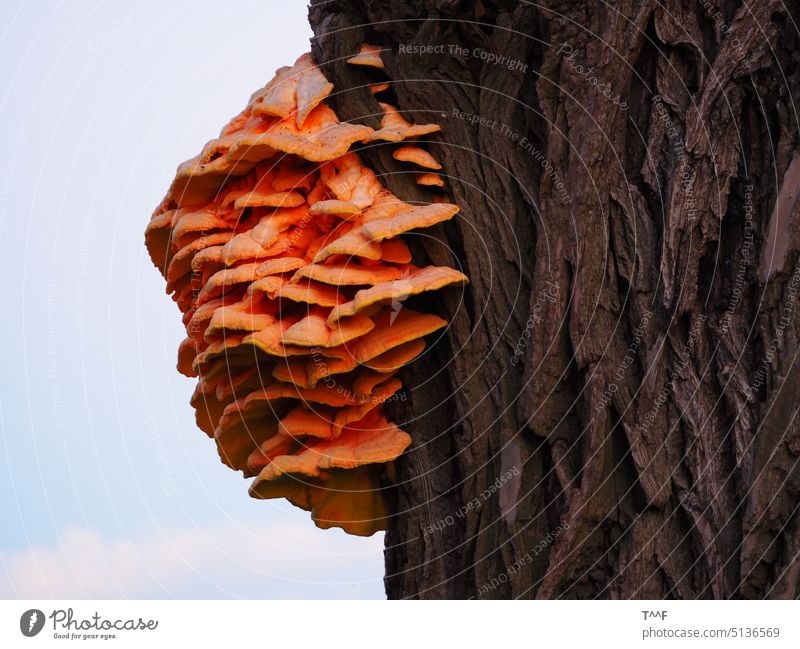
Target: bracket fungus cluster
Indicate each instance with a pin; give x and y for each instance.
(287, 258)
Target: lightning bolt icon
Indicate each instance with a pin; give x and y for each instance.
(403, 288)
(396, 306)
(32, 620)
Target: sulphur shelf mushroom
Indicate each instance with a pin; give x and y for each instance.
(287, 259)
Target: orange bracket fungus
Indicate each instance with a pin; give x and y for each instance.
(287, 258)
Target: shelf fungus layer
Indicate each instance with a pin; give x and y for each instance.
(289, 262)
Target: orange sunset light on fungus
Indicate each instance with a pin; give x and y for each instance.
(285, 254)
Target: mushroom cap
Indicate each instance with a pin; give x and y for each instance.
(280, 265)
(395, 251)
(352, 500)
(180, 263)
(348, 274)
(187, 352)
(279, 97)
(321, 394)
(351, 244)
(270, 199)
(368, 55)
(208, 409)
(314, 330)
(238, 317)
(382, 442)
(269, 285)
(366, 381)
(239, 384)
(224, 348)
(321, 138)
(430, 180)
(292, 370)
(287, 177)
(350, 415)
(226, 279)
(209, 258)
(322, 368)
(339, 208)
(158, 237)
(351, 181)
(408, 325)
(238, 435)
(310, 292)
(393, 359)
(197, 221)
(200, 317)
(197, 181)
(395, 128)
(416, 155)
(242, 247)
(269, 448)
(302, 422)
(423, 216)
(312, 88)
(430, 278)
(375, 88)
(269, 340)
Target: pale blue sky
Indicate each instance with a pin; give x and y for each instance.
(108, 489)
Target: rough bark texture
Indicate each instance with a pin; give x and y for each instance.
(623, 364)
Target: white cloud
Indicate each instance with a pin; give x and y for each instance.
(283, 559)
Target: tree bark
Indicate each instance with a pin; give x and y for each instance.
(613, 411)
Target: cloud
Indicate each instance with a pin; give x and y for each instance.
(282, 559)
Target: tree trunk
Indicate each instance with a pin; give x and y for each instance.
(613, 411)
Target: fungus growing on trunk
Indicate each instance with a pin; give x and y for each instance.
(285, 255)
(416, 155)
(369, 56)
